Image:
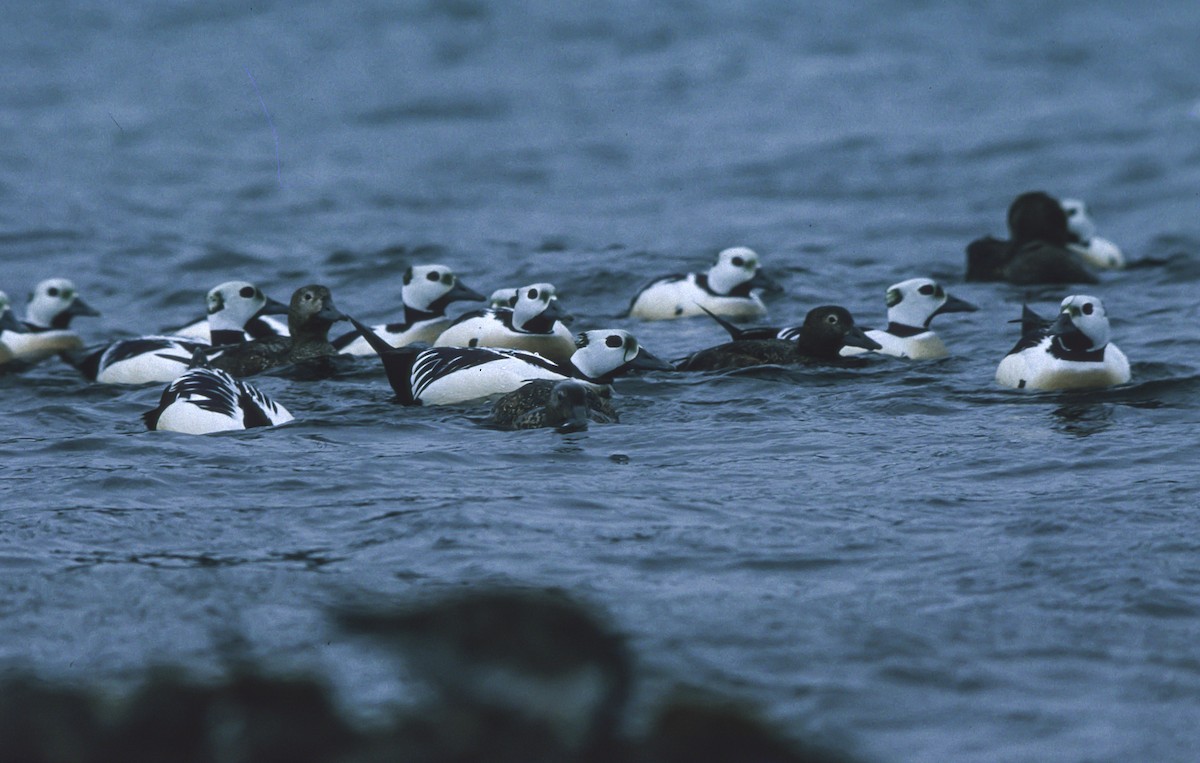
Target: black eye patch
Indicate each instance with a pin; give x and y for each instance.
(927, 289)
(614, 341)
(52, 291)
(738, 262)
(433, 276)
(1088, 308)
(532, 294)
(247, 292)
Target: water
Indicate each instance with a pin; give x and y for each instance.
(904, 559)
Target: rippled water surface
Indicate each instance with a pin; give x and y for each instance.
(902, 559)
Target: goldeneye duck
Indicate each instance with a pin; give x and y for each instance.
(1037, 251)
(424, 296)
(535, 323)
(729, 288)
(231, 307)
(206, 400)
(565, 405)
(311, 312)
(46, 328)
(826, 330)
(1096, 251)
(912, 305)
(449, 375)
(1074, 352)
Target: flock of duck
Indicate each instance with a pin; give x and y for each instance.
(520, 353)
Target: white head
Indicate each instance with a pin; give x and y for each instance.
(53, 303)
(914, 302)
(429, 288)
(735, 266)
(1086, 315)
(603, 353)
(503, 298)
(1078, 220)
(534, 300)
(232, 304)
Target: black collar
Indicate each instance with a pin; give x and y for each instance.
(903, 331)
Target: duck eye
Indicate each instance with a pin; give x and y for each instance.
(308, 296)
(433, 275)
(52, 291)
(831, 320)
(533, 294)
(247, 292)
(738, 262)
(927, 289)
(1088, 309)
(614, 341)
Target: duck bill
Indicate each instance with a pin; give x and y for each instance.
(765, 282)
(577, 420)
(554, 312)
(329, 312)
(1063, 326)
(272, 307)
(955, 305)
(78, 307)
(460, 292)
(646, 361)
(856, 337)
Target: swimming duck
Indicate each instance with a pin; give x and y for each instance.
(205, 400)
(46, 329)
(729, 288)
(1096, 251)
(448, 375)
(427, 291)
(231, 306)
(310, 314)
(826, 330)
(1037, 251)
(912, 304)
(1074, 352)
(566, 405)
(535, 323)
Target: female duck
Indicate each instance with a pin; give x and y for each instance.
(310, 315)
(1037, 251)
(448, 375)
(729, 288)
(1072, 353)
(534, 324)
(427, 291)
(566, 405)
(825, 332)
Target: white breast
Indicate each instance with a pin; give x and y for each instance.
(924, 346)
(37, 346)
(664, 300)
(421, 331)
(1036, 368)
(488, 331)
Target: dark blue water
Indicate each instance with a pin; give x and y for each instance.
(904, 559)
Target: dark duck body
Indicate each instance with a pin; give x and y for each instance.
(310, 315)
(1037, 251)
(567, 406)
(826, 330)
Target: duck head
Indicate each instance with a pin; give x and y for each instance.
(829, 328)
(1082, 324)
(602, 354)
(53, 303)
(233, 304)
(430, 288)
(916, 301)
(737, 273)
(312, 311)
(537, 308)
